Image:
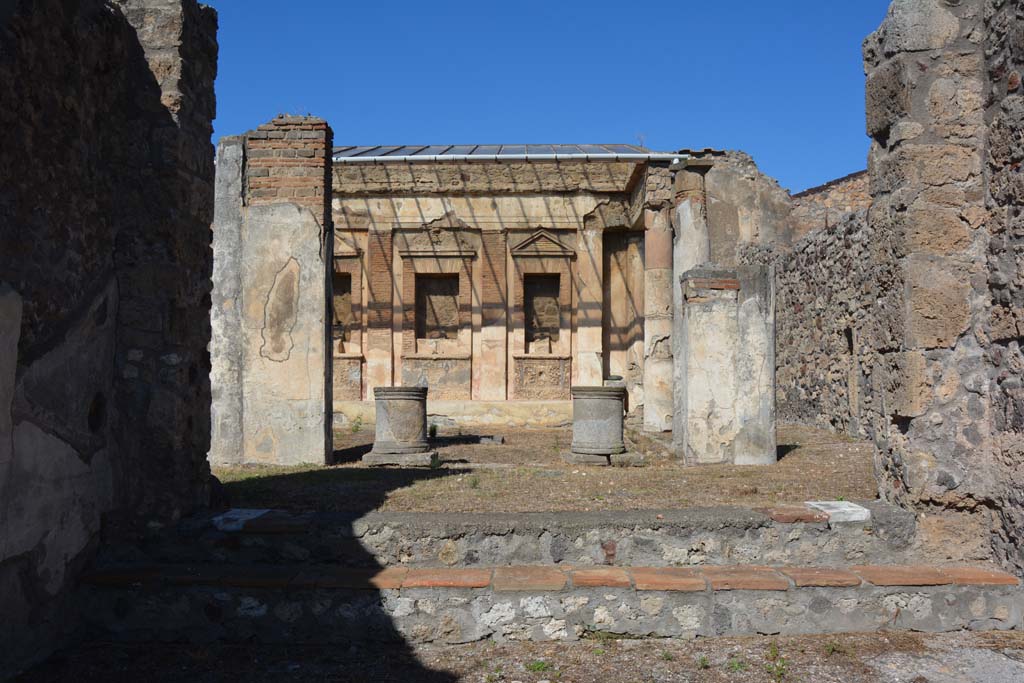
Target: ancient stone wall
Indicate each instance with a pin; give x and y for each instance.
(901, 323)
(744, 207)
(502, 228)
(823, 206)
(1004, 118)
(105, 205)
(272, 246)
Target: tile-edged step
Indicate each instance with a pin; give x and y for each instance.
(327, 604)
(792, 534)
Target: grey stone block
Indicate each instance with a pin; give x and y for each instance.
(586, 459)
(428, 459)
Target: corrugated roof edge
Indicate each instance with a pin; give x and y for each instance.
(491, 149)
(526, 153)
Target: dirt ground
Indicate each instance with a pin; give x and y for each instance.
(850, 658)
(526, 474)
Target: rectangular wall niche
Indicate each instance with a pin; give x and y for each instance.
(437, 306)
(341, 305)
(542, 311)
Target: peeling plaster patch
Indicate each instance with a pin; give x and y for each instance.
(281, 312)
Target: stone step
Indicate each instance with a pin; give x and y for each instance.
(720, 535)
(327, 604)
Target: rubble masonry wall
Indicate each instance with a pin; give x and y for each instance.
(105, 209)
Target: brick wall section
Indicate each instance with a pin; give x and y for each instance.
(288, 159)
(379, 256)
(493, 278)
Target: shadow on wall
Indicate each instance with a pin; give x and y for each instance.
(105, 205)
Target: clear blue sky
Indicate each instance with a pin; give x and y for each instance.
(780, 80)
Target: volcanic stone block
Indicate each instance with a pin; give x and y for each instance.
(401, 428)
(597, 414)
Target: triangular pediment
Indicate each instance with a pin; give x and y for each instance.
(543, 243)
(443, 237)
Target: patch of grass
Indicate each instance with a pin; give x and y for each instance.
(530, 477)
(599, 651)
(703, 663)
(473, 482)
(736, 665)
(667, 656)
(834, 648)
(357, 424)
(539, 665)
(777, 667)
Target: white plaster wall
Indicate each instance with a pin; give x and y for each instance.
(284, 314)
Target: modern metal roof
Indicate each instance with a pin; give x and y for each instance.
(346, 152)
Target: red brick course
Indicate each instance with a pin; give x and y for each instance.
(554, 578)
(745, 578)
(668, 579)
(977, 576)
(902, 576)
(529, 579)
(447, 578)
(824, 577)
(354, 578)
(614, 577)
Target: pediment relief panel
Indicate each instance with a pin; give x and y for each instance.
(543, 243)
(442, 237)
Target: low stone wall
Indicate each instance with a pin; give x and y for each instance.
(698, 536)
(327, 605)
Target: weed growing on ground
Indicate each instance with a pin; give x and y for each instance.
(703, 663)
(736, 665)
(474, 482)
(777, 666)
(539, 665)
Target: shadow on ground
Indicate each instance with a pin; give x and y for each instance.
(367, 647)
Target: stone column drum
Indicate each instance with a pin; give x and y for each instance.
(597, 414)
(401, 428)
